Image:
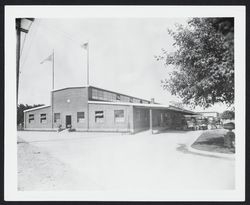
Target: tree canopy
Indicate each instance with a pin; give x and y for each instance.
(203, 62)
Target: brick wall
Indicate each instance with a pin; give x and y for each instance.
(36, 123)
(68, 102)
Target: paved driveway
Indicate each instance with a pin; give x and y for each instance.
(111, 161)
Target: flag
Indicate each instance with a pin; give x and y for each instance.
(49, 58)
(85, 45)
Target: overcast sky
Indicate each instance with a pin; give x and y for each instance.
(121, 53)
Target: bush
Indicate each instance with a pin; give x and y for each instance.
(227, 115)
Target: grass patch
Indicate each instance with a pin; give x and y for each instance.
(213, 141)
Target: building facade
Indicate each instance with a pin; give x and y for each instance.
(95, 109)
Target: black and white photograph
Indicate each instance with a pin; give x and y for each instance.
(125, 103)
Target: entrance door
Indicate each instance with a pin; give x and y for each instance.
(68, 121)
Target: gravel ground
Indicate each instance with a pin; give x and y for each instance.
(38, 170)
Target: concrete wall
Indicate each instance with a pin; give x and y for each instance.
(109, 123)
(68, 102)
(36, 124)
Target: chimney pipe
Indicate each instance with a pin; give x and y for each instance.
(152, 101)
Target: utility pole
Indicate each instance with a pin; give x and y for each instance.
(19, 29)
(18, 46)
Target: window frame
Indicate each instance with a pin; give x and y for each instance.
(33, 118)
(96, 116)
(78, 118)
(43, 118)
(123, 118)
(57, 120)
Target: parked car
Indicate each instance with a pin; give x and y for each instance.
(202, 124)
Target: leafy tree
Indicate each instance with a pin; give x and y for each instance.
(227, 115)
(203, 62)
(21, 108)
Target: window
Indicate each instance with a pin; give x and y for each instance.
(43, 118)
(118, 97)
(119, 116)
(94, 93)
(113, 97)
(124, 98)
(31, 118)
(136, 100)
(80, 116)
(99, 116)
(109, 96)
(100, 94)
(56, 117)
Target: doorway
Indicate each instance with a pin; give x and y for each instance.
(68, 121)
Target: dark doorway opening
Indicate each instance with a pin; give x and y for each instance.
(68, 121)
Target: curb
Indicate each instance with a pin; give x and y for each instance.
(207, 153)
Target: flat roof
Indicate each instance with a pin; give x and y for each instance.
(156, 106)
(36, 108)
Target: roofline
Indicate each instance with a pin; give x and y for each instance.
(160, 106)
(37, 108)
(209, 112)
(119, 103)
(69, 88)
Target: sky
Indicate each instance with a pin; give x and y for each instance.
(121, 57)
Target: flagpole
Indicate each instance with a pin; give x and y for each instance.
(53, 70)
(88, 85)
(52, 101)
(88, 64)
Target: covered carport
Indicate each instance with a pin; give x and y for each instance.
(156, 117)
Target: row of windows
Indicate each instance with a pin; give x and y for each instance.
(113, 97)
(80, 117)
(57, 117)
(43, 118)
(99, 117)
(118, 116)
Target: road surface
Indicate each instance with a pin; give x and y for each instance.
(113, 161)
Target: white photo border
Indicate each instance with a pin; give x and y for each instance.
(10, 137)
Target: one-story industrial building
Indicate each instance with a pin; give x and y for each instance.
(94, 109)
